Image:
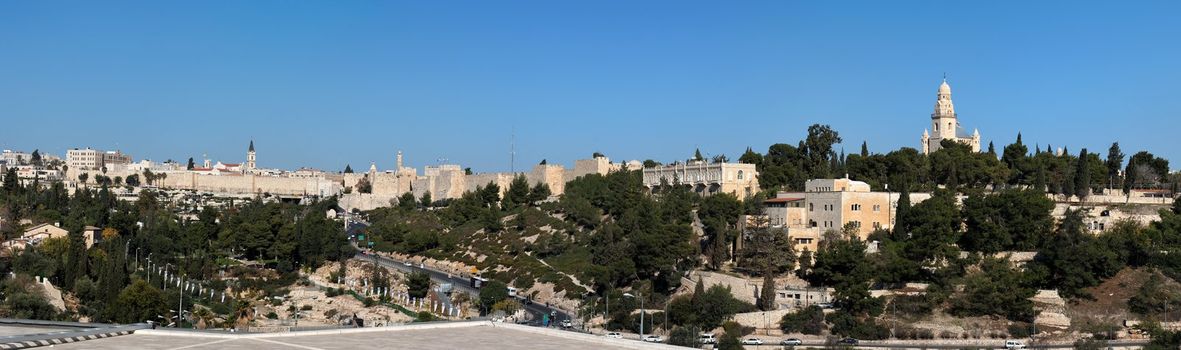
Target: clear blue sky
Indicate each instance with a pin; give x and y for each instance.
(322, 84)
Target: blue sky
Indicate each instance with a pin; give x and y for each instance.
(322, 84)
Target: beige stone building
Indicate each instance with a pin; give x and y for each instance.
(84, 159)
(37, 234)
(741, 180)
(946, 125)
(830, 204)
(92, 159)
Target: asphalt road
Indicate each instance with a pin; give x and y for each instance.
(458, 283)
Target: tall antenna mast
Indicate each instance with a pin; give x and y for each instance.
(512, 166)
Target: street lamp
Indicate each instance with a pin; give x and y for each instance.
(641, 297)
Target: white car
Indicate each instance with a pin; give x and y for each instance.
(1013, 344)
(407, 264)
(752, 341)
(792, 342)
(653, 339)
(614, 335)
(567, 324)
(708, 338)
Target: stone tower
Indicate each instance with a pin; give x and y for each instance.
(943, 121)
(945, 124)
(250, 157)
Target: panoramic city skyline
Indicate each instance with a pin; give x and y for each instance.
(328, 85)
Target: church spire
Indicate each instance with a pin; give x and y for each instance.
(251, 146)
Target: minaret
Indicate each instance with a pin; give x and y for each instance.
(250, 156)
(399, 162)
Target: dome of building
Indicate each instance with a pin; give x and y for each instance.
(944, 88)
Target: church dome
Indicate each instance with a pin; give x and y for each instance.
(944, 88)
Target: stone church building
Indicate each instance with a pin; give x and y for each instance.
(946, 126)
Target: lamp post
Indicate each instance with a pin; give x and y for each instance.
(641, 297)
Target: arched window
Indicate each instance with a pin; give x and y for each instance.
(740, 174)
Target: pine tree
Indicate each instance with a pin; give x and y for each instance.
(991, 149)
(697, 155)
(190, 166)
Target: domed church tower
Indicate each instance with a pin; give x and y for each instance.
(945, 124)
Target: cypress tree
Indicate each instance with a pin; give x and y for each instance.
(902, 225)
(697, 155)
(1082, 176)
(864, 149)
(767, 294)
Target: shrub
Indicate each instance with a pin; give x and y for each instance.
(737, 329)
(809, 320)
(305, 307)
(272, 315)
(1022, 330)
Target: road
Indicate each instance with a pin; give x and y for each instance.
(773, 343)
(458, 283)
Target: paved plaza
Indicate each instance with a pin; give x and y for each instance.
(466, 338)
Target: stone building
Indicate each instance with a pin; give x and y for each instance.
(946, 125)
(92, 159)
(741, 180)
(830, 204)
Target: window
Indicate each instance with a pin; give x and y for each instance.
(811, 206)
(877, 208)
(856, 207)
(740, 174)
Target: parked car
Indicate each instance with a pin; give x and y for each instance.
(708, 338)
(614, 335)
(1013, 344)
(791, 342)
(752, 341)
(567, 324)
(653, 339)
(847, 341)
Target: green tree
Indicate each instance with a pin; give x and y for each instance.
(517, 194)
(419, 284)
(1115, 161)
(766, 300)
(684, 336)
(1074, 260)
(138, 302)
(997, 289)
(809, 320)
(1012, 219)
(426, 201)
(492, 292)
(697, 155)
(539, 192)
(1082, 176)
(407, 202)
